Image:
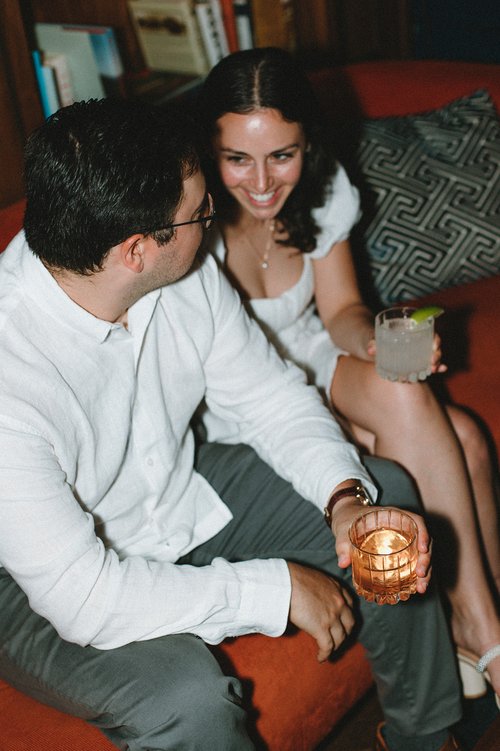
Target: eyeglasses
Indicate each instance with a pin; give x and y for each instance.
(205, 221)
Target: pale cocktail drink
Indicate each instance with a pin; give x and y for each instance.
(403, 345)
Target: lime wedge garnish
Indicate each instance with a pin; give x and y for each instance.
(422, 314)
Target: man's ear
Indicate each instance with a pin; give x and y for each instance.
(132, 252)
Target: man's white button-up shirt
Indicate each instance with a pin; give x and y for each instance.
(98, 495)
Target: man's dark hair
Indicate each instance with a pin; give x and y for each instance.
(270, 78)
(97, 172)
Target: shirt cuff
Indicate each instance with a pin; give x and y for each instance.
(265, 592)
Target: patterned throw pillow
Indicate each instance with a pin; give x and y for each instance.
(430, 186)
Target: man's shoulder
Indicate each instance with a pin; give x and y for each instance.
(11, 288)
(202, 283)
(11, 257)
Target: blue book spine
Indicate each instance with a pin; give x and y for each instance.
(106, 53)
(108, 61)
(51, 89)
(40, 79)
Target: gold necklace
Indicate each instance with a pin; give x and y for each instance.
(263, 257)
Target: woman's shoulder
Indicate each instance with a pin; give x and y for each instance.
(339, 213)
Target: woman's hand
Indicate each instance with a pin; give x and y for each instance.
(437, 365)
(371, 347)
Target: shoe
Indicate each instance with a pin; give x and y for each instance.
(473, 672)
(380, 744)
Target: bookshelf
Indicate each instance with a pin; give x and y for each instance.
(330, 30)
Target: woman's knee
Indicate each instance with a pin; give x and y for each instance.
(396, 486)
(385, 405)
(472, 439)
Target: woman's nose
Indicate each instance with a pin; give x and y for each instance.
(262, 178)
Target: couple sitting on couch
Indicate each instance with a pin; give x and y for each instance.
(121, 540)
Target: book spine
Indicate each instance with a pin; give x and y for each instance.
(106, 52)
(51, 89)
(206, 22)
(42, 84)
(77, 46)
(243, 24)
(229, 20)
(59, 64)
(109, 62)
(219, 25)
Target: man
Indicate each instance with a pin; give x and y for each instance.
(123, 549)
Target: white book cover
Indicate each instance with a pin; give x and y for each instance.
(209, 34)
(169, 35)
(59, 64)
(219, 25)
(243, 24)
(77, 47)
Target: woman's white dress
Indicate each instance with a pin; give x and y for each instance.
(290, 320)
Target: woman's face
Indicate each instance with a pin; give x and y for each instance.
(259, 156)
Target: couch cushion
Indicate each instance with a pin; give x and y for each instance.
(430, 184)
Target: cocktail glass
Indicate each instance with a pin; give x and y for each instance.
(384, 556)
(404, 346)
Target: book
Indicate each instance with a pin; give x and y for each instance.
(219, 25)
(76, 45)
(273, 24)
(243, 18)
(209, 32)
(59, 64)
(229, 20)
(169, 35)
(107, 57)
(46, 85)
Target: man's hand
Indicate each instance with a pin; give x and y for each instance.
(320, 606)
(344, 513)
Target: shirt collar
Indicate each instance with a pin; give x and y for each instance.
(41, 286)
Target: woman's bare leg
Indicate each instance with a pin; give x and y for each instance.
(411, 428)
(484, 486)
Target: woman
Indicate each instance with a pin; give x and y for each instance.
(285, 210)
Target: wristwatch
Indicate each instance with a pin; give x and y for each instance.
(356, 490)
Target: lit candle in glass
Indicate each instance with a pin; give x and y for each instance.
(384, 556)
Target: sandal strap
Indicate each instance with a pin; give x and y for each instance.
(487, 658)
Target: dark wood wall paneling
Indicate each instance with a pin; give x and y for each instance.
(342, 31)
(19, 101)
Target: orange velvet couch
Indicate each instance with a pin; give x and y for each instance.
(295, 702)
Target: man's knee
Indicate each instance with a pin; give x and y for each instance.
(178, 700)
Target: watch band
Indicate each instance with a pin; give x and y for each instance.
(356, 491)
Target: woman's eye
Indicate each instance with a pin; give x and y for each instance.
(236, 159)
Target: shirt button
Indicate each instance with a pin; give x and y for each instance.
(149, 461)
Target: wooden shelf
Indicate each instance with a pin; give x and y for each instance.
(333, 30)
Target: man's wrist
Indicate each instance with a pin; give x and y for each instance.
(354, 490)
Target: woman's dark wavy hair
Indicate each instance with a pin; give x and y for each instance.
(100, 171)
(269, 77)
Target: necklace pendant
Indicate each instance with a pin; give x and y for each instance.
(264, 265)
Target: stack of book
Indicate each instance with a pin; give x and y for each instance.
(181, 40)
(74, 62)
(190, 36)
